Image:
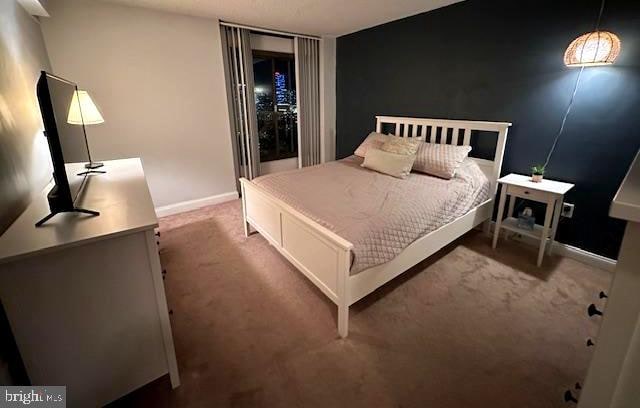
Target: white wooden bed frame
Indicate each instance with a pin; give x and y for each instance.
(325, 258)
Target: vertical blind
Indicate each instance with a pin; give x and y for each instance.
(308, 99)
(238, 63)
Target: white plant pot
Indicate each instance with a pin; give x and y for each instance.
(536, 178)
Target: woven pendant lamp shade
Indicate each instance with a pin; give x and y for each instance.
(594, 48)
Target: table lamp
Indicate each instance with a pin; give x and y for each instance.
(84, 112)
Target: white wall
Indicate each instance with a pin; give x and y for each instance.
(328, 97)
(25, 167)
(159, 80)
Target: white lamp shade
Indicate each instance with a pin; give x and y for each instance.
(83, 110)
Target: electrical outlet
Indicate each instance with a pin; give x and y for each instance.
(567, 210)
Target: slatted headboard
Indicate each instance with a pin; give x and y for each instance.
(457, 132)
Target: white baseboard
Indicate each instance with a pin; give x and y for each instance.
(583, 256)
(190, 205)
(567, 250)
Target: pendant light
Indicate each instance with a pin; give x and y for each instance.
(592, 49)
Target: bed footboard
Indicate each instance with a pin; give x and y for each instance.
(321, 255)
(325, 258)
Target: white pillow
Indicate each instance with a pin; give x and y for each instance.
(374, 140)
(440, 160)
(393, 164)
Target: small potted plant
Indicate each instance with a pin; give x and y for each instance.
(537, 173)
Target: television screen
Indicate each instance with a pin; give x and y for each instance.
(70, 130)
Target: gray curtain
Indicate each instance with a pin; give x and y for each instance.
(308, 98)
(238, 65)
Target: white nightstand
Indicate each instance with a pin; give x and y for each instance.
(548, 192)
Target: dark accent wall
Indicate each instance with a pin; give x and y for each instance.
(502, 60)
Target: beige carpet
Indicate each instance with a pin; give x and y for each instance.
(469, 327)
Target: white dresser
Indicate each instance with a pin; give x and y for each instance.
(613, 380)
(84, 295)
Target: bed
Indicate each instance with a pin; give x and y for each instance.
(351, 230)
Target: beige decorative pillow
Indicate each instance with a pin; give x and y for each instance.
(440, 160)
(401, 145)
(393, 164)
(374, 140)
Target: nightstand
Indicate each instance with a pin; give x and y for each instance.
(548, 192)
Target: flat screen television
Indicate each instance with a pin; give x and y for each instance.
(67, 143)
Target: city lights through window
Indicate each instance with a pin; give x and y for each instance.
(275, 92)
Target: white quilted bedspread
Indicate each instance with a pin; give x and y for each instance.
(379, 214)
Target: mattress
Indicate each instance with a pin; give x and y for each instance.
(379, 214)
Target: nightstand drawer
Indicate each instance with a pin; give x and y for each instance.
(528, 193)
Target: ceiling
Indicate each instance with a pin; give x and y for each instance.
(319, 17)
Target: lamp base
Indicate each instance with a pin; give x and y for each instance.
(93, 165)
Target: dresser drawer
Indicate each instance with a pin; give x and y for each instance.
(528, 193)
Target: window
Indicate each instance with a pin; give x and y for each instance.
(275, 90)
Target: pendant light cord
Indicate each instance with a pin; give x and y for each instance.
(573, 94)
(600, 15)
(564, 119)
